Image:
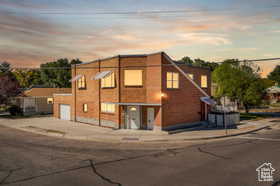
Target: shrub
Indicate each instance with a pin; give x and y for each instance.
(15, 110)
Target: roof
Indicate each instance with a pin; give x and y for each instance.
(45, 91)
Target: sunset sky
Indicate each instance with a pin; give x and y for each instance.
(38, 31)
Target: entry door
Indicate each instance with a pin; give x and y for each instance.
(65, 112)
(150, 118)
(133, 117)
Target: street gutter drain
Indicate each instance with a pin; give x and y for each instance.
(130, 139)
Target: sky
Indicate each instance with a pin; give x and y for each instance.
(39, 31)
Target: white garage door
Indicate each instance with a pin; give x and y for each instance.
(65, 112)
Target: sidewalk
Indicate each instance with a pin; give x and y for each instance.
(72, 130)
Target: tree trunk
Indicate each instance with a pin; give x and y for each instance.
(246, 108)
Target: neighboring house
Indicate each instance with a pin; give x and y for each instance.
(135, 92)
(273, 94)
(37, 100)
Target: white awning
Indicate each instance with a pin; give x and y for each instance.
(101, 75)
(208, 100)
(76, 78)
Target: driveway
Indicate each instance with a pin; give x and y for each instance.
(28, 159)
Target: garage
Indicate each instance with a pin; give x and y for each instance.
(65, 112)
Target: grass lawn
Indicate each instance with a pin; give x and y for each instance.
(250, 116)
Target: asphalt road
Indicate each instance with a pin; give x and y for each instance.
(28, 159)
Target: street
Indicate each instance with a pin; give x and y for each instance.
(28, 159)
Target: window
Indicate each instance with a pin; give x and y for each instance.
(108, 81)
(133, 78)
(107, 107)
(172, 80)
(85, 107)
(191, 76)
(204, 81)
(82, 82)
(50, 100)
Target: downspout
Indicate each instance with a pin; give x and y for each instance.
(75, 94)
(99, 97)
(119, 87)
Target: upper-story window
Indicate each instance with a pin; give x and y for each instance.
(172, 80)
(82, 82)
(108, 81)
(133, 77)
(191, 76)
(204, 81)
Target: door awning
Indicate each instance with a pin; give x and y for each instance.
(76, 78)
(101, 75)
(208, 100)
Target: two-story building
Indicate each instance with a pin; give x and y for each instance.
(135, 92)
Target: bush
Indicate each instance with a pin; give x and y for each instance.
(15, 110)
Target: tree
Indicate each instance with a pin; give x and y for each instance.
(199, 63)
(5, 67)
(57, 73)
(9, 85)
(275, 75)
(241, 82)
(28, 78)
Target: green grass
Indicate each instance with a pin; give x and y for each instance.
(250, 116)
(275, 104)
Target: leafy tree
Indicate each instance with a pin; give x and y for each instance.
(57, 73)
(28, 78)
(275, 75)
(241, 82)
(199, 63)
(5, 67)
(9, 85)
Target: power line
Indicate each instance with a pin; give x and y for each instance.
(136, 12)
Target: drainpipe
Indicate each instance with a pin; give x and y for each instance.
(75, 93)
(119, 87)
(99, 97)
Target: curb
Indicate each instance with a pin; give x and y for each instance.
(122, 140)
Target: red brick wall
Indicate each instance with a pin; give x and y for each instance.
(62, 99)
(183, 105)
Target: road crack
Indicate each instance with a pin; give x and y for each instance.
(101, 176)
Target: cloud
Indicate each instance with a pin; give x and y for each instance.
(206, 38)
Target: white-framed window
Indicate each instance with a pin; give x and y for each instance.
(82, 82)
(108, 107)
(191, 76)
(50, 100)
(172, 80)
(204, 81)
(108, 81)
(133, 77)
(85, 107)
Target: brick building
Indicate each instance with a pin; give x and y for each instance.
(135, 92)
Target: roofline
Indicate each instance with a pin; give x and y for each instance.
(143, 55)
(118, 56)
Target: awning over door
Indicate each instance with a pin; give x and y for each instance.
(101, 75)
(76, 78)
(208, 100)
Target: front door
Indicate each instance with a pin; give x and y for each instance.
(133, 117)
(150, 118)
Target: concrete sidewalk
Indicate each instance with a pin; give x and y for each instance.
(72, 130)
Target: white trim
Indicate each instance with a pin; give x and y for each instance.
(102, 75)
(62, 94)
(76, 78)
